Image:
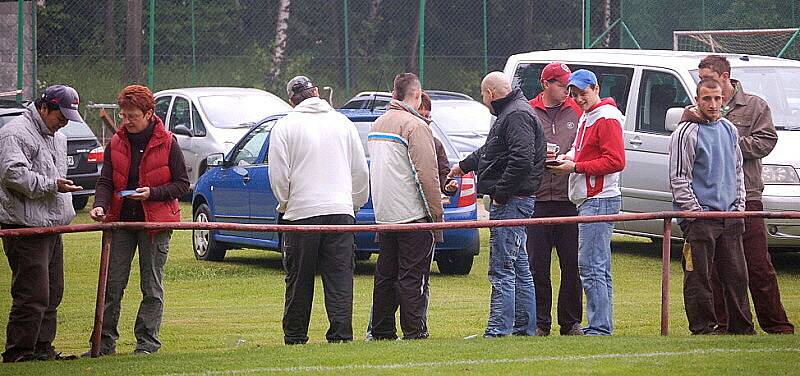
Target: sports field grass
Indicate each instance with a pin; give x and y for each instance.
(225, 318)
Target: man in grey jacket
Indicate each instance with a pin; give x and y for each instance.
(34, 193)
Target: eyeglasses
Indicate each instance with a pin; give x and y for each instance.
(124, 116)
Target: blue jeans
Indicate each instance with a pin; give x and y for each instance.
(594, 264)
(513, 306)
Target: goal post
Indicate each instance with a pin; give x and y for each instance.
(767, 42)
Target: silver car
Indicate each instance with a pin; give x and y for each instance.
(651, 89)
(209, 120)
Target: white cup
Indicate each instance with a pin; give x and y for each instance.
(553, 148)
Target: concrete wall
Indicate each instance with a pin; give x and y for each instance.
(8, 48)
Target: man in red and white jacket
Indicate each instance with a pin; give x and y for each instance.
(595, 161)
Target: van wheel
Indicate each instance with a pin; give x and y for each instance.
(203, 243)
(455, 264)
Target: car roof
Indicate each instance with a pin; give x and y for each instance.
(12, 111)
(195, 92)
(658, 58)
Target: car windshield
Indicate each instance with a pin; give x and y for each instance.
(779, 86)
(77, 130)
(240, 111)
(363, 132)
(381, 103)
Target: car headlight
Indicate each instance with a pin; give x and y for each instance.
(777, 174)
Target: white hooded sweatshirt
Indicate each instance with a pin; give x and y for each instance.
(317, 164)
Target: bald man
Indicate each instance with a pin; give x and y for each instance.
(509, 167)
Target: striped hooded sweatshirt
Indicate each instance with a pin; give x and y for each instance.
(705, 165)
(598, 152)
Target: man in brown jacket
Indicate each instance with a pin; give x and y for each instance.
(558, 114)
(757, 137)
(405, 189)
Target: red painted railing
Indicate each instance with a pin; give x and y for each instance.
(106, 227)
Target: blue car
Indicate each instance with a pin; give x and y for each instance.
(236, 189)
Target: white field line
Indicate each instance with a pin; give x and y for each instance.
(474, 362)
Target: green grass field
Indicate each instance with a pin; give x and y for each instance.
(210, 307)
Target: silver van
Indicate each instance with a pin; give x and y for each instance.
(209, 120)
(651, 89)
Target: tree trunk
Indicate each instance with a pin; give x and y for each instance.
(133, 43)
(529, 32)
(110, 34)
(281, 35)
(607, 22)
(413, 45)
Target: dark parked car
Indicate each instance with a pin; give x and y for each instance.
(84, 155)
(237, 190)
(465, 120)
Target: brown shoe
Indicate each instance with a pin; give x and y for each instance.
(542, 333)
(575, 331)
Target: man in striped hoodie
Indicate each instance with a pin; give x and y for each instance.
(594, 162)
(705, 174)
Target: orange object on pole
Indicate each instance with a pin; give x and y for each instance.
(101, 294)
(665, 253)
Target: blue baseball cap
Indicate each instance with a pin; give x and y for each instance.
(582, 78)
(66, 98)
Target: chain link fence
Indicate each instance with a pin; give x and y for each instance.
(98, 46)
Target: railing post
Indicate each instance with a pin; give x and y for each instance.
(665, 255)
(101, 294)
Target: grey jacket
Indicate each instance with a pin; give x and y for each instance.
(31, 158)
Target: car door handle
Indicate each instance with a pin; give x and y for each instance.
(246, 179)
(635, 141)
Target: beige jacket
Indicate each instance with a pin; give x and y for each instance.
(404, 175)
(757, 136)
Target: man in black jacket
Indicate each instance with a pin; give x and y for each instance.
(509, 168)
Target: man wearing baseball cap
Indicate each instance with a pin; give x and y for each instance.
(594, 163)
(35, 193)
(319, 151)
(558, 115)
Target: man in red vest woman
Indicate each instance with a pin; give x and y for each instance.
(143, 176)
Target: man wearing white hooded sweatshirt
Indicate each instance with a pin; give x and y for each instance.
(318, 172)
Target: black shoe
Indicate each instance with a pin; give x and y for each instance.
(55, 356)
(88, 354)
(424, 335)
(142, 352)
(542, 333)
(24, 358)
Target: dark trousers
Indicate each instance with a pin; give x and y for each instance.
(401, 276)
(717, 242)
(330, 254)
(37, 286)
(541, 240)
(153, 252)
(763, 279)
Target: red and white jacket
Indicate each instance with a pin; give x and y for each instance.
(598, 152)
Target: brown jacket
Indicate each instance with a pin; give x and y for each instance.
(404, 168)
(757, 136)
(559, 130)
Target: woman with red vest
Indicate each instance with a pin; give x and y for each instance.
(143, 176)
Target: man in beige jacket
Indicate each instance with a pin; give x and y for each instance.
(405, 189)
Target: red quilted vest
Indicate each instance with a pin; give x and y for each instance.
(153, 172)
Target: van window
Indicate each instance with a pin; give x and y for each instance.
(658, 92)
(180, 114)
(162, 106)
(615, 82)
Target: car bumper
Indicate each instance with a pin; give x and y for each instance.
(782, 233)
(87, 181)
(464, 241)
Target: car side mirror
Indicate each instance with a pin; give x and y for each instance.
(215, 160)
(182, 130)
(673, 118)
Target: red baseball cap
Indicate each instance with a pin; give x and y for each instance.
(556, 71)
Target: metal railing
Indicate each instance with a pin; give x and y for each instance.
(667, 218)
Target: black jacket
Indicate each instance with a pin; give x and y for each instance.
(511, 162)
